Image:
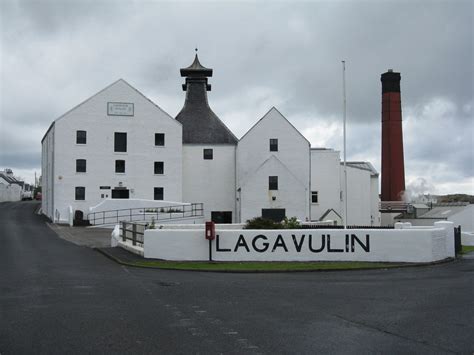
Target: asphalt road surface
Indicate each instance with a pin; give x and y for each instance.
(60, 298)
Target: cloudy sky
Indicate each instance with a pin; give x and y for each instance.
(55, 54)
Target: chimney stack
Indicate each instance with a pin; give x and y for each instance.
(393, 167)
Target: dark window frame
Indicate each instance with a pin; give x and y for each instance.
(208, 154)
(81, 166)
(273, 183)
(313, 195)
(81, 137)
(157, 192)
(118, 164)
(80, 193)
(120, 146)
(159, 170)
(159, 140)
(273, 144)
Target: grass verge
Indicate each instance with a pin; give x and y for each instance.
(467, 248)
(262, 266)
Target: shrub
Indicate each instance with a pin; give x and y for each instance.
(291, 223)
(262, 223)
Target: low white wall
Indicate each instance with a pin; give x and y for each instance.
(467, 238)
(397, 245)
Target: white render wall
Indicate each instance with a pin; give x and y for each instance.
(47, 173)
(397, 245)
(358, 196)
(325, 179)
(255, 163)
(141, 154)
(9, 192)
(212, 181)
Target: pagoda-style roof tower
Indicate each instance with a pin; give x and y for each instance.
(200, 124)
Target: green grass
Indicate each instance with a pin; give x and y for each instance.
(262, 266)
(467, 248)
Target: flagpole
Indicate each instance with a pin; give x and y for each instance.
(344, 134)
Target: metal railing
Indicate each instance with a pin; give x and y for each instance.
(133, 232)
(393, 206)
(164, 213)
(322, 226)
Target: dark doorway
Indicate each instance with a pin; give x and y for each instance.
(221, 216)
(275, 214)
(120, 193)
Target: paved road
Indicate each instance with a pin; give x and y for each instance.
(60, 298)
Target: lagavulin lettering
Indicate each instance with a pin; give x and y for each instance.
(298, 243)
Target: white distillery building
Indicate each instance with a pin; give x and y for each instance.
(120, 145)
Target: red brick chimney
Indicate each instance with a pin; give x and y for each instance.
(393, 167)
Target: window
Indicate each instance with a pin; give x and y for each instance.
(273, 145)
(314, 196)
(80, 193)
(159, 139)
(120, 142)
(158, 193)
(273, 182)
(80, 165)
(159, 167)
(81, 137)
(120, 166)
(208, 154)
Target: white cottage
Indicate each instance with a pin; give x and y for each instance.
(116, 144)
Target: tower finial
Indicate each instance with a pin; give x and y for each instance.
(196, 49)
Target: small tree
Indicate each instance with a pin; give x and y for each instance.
(262, 223)
(291, 223)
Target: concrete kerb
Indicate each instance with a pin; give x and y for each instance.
(387, 267)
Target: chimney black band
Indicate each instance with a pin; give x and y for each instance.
(390, 82)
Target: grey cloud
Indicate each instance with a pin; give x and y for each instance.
(57, 53)
(20, 160)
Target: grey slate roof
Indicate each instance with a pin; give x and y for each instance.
(200, 124)
(196, 69)
(443, 212)
(11, 179)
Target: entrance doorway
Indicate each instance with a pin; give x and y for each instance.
(275, 214)
(221, 216)
(120, 193)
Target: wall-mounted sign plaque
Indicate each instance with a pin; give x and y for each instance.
(120, 109)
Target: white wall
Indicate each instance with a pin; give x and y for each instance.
(9, 192)
(141, 154)
(397, 245)
(374, 201)
(211, 182)
(255, 163)
(47, 173)
(358, 196)
(325, 179)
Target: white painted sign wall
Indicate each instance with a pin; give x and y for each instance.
(397, 245)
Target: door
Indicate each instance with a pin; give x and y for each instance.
(275, 214)
(120, 193)
(221, 216)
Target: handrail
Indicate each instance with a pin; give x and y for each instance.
(147, 214)
(395, 206)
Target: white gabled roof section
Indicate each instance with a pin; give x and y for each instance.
(117, 82)
(268, 115)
